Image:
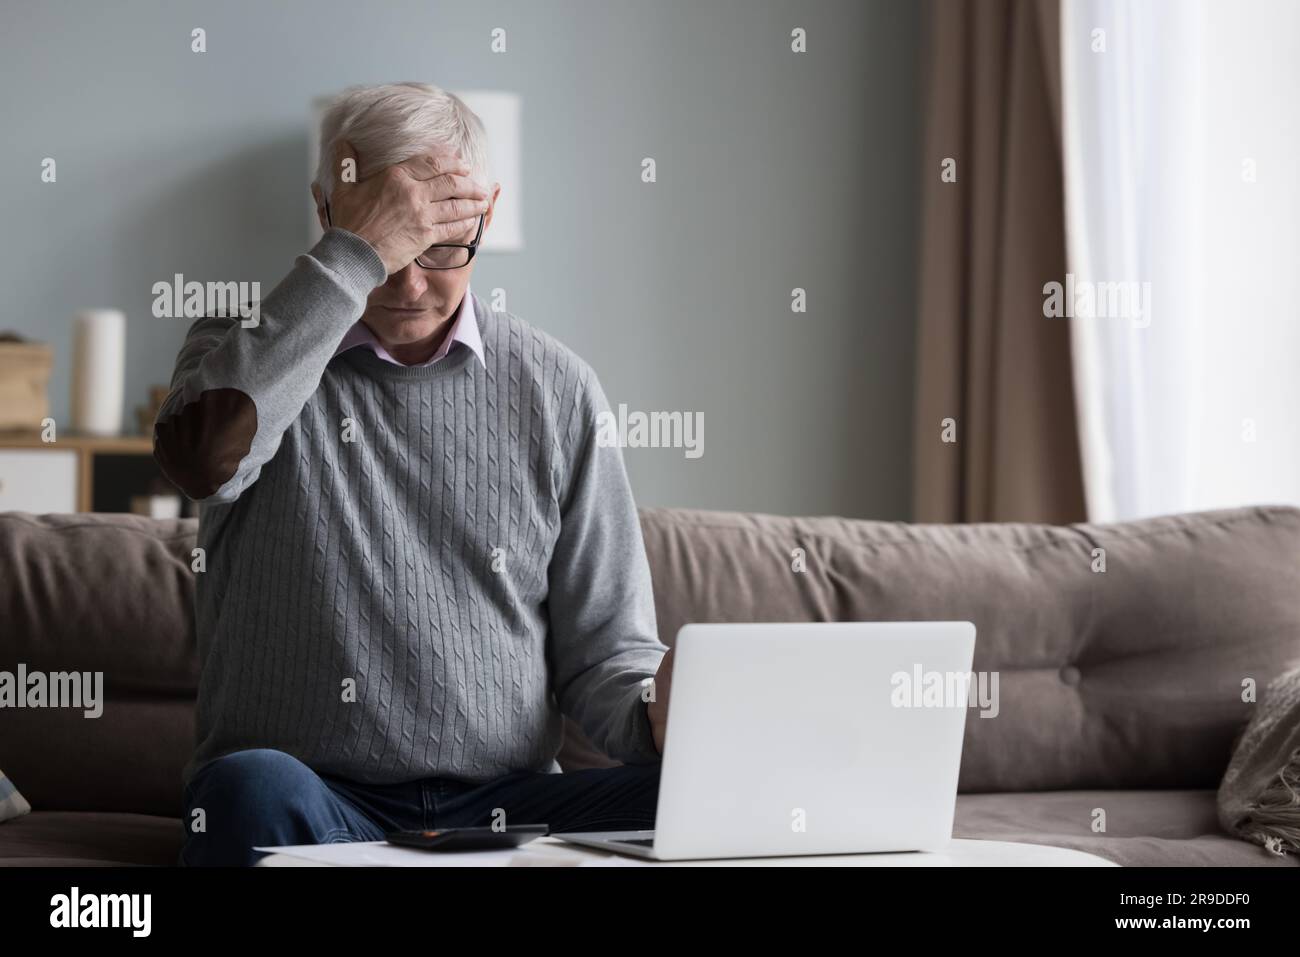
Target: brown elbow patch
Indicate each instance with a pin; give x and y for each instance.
(200, 447)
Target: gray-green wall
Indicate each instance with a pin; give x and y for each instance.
(775, 170)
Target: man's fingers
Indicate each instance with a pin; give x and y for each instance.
(450, 186)
(447, 232)
(430, 165)
(455, 210)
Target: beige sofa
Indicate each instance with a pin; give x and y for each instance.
(1120, 690)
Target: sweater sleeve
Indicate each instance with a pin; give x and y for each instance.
(603, 639)
(236, 389)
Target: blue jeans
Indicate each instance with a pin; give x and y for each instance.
(263, 797)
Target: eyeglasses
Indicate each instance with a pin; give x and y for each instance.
(441, 255)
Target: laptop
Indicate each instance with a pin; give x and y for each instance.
(798, 739)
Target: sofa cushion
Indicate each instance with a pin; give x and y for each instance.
(111, 594)
(129, 759)
(77, 839)
(1143, 828)
(1127, 678)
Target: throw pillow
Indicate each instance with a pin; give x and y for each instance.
(12, 804)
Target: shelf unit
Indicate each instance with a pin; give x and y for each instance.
(75, 473)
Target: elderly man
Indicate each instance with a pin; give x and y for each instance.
(418, 557)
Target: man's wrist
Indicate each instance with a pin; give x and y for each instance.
(648, 729)
(351, 258)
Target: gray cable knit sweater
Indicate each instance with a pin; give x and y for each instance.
(410, 571)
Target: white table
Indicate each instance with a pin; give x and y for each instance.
(548, 851)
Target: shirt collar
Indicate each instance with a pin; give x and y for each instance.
(464, 329)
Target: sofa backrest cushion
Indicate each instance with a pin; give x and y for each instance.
(109, 594)
(1131, 677)
(1127, 678)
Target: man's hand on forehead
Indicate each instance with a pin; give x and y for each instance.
(426, 167)
(406, 208)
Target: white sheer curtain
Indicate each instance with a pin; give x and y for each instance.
(1182, 137)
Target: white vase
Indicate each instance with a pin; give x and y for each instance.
(98, 371)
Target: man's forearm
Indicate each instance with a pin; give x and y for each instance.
(235, 390)
(601, 599)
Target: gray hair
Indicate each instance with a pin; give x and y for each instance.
(390, 123)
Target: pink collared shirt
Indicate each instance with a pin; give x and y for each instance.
(464, 329)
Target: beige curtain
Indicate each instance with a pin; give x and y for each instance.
(987, 357)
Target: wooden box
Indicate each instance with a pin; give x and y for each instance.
(24, 385)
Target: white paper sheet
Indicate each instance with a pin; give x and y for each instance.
(383, 854)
